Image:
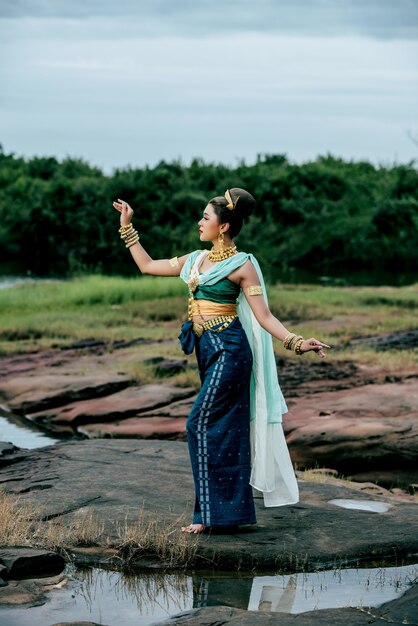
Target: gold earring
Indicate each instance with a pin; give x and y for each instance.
(221, 240)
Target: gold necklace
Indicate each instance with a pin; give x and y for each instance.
(221, 255)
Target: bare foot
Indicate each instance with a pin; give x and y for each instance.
(193, 529)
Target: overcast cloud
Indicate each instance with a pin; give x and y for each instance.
(135, 82)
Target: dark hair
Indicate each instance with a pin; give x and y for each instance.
(243, 205)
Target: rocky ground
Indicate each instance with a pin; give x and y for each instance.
(357, 419)
(114, 479)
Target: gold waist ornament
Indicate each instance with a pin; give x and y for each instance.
(207, 307)
(223, 320)
(225, 314)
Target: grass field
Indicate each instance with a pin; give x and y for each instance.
(42, 314)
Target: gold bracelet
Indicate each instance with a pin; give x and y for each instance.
(287, 340)
(132, 243)
(299, 342)
(293, 342)
(125, 229)
(131, 236)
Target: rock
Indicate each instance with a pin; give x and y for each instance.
(299, 378)
(372, 428)
(145, 427)
(9, 453)
(22, 592)
(170, 367)
(403, 611)
(181, 408)
(124, 404)
(118, 478)
(399, 340)
(31, 393)
(23, 562)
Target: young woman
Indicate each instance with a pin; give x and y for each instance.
(234, 429)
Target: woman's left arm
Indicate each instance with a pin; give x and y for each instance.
(249, 279)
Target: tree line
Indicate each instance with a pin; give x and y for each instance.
(57, 218)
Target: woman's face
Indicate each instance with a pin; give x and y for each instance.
(209, 225)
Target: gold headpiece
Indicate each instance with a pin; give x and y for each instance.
(230, 204)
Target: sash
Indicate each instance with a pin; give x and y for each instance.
(271, 467)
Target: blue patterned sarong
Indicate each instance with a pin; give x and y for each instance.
(218, 429)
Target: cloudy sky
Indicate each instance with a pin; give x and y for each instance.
(136, 81)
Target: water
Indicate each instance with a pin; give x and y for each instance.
(114, 598)
(371, 506)
(22, 433)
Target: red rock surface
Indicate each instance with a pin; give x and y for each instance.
(357, 419)
(373, 427)
(124, 404)
(146, 427)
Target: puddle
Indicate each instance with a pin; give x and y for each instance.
(19, 432)
(114, 598)
(372, 506)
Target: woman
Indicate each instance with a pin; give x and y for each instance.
(234, 430)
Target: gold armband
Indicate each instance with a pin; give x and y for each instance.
(174, 262)
(254, 290)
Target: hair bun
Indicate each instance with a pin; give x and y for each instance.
(244, 203)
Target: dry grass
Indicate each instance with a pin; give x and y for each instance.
(326, 476)
(144, 373)
(21, 523)
(149, 538)
(391, 361)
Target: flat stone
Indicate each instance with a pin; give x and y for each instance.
(19, 592)
(24, 562)
(145, 427)
(403, 610)
(31, 393)
(117, 478)
(9, 453)
(372, 428)
(170, 367)
(124, 404)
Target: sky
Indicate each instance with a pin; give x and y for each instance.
(131, 83)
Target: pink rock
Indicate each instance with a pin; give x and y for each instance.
(124, 404)
(146, 427)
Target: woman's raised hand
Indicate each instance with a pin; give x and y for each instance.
(315, 345)
(125, 211)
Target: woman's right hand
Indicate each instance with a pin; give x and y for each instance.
(126, 212)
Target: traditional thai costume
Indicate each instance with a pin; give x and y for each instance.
(234, 429)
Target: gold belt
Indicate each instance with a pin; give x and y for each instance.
(223, 320)
(207, 307)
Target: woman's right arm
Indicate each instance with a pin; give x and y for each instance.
(147, 265)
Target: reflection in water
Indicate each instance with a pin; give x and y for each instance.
(339, 588)
(278, 599)
(161, 593)
(114, 598)
(211, 591)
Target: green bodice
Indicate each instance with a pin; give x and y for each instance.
(222, 292)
